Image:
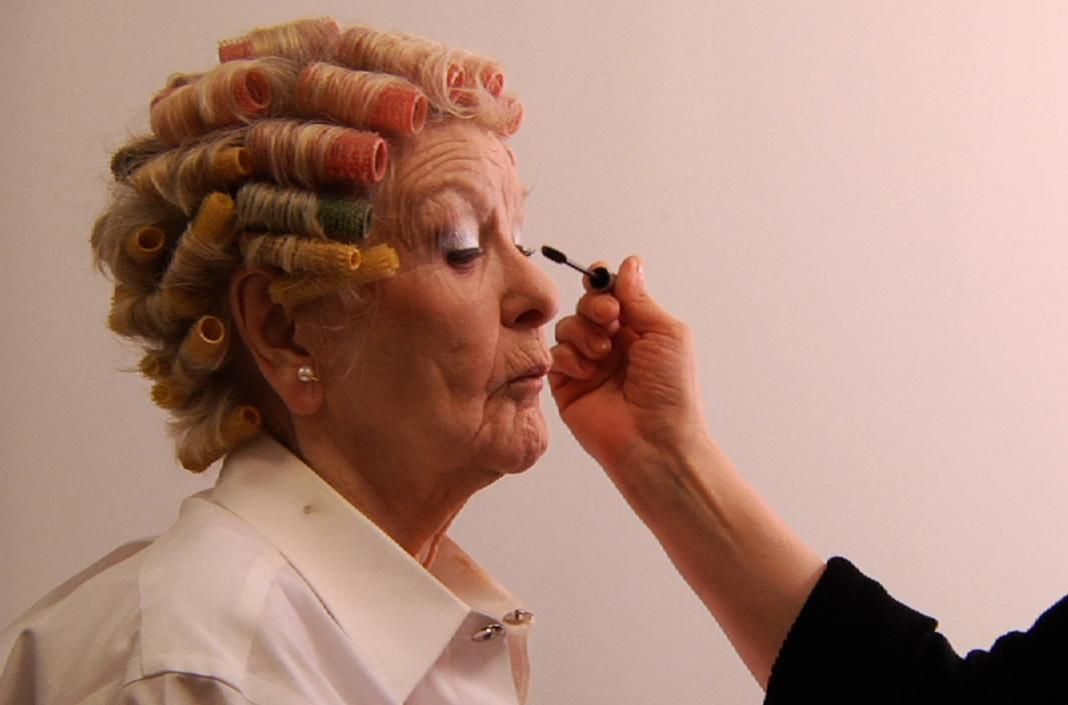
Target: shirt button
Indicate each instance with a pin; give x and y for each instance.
(486, 633)
(517, 617)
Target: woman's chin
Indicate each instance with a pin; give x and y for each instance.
(526, 444)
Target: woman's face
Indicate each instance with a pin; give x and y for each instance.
(449, 366)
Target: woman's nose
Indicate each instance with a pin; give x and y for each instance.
(531, 299)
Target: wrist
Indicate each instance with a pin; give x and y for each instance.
(671, 480)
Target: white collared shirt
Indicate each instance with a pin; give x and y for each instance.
(270, 589)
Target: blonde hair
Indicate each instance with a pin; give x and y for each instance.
(270, 158)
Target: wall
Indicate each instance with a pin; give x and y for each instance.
(859, 207)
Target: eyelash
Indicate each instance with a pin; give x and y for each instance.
(466, 256)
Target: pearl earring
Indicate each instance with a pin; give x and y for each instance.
(306, 374)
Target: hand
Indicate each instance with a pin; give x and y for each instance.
(624, 377)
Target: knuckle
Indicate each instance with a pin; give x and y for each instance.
(681, 331)
(561, 327)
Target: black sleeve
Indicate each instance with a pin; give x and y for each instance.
(853, 643)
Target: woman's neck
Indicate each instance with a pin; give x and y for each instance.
(410, 497)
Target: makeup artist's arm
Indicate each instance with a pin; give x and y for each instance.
(624, 378)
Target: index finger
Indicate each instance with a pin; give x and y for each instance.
(600, 308)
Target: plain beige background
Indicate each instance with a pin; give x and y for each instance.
(860, 207)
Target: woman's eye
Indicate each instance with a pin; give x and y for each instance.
(467, 255)
(525, 251)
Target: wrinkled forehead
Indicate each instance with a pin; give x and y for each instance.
(452, 170)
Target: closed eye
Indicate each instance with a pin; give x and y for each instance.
(525, 251)
(465, 256)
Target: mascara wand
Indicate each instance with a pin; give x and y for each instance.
(600, 278)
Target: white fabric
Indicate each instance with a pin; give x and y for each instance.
(269, 589)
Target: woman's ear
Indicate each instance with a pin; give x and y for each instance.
(268, 331)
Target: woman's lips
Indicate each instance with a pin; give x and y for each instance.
(537, 372)
(530, 381)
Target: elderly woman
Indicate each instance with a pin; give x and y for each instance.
(319, 250)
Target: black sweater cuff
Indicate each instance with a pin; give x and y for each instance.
(848, 632)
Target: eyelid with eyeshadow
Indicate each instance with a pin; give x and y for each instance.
(458, 239)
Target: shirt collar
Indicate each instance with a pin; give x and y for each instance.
(401, 613)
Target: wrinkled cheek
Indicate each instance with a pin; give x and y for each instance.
(467, 291)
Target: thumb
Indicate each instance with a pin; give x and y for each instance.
(638, 309)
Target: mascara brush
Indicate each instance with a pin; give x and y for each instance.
(600, 278)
